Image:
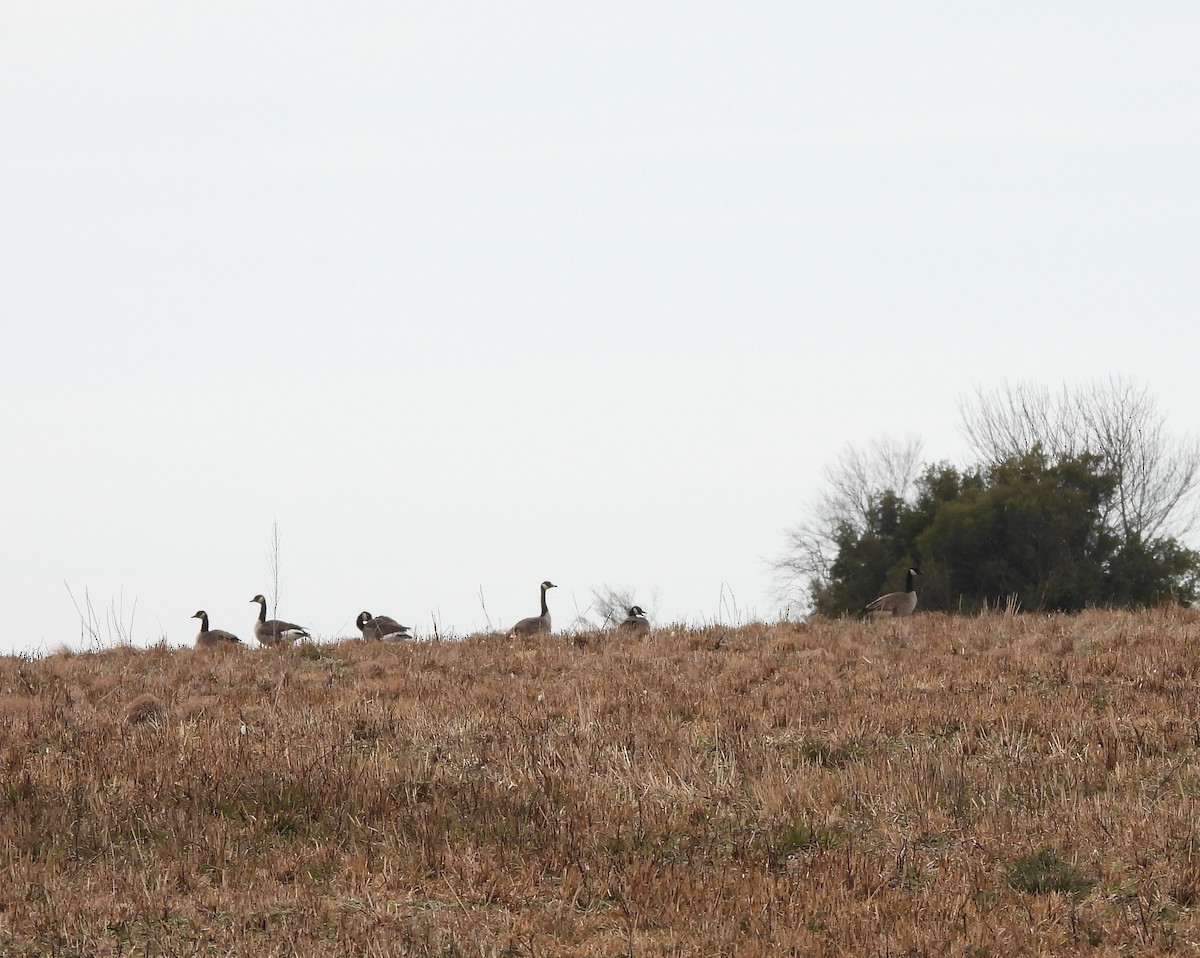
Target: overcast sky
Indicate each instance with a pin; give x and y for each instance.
(467, 296)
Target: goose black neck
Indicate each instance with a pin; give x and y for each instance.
(908, 582)
(545, 608)
(203, 621)
(262, 612)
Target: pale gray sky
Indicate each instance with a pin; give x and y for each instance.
(467, 296)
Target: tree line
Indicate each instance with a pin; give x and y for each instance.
(1076, 498)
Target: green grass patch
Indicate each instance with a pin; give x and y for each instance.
(826, 755)
(804, 837)
(1045, 872)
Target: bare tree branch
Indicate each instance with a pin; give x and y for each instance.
(1116, 419)
(610, 604)
(853, 483)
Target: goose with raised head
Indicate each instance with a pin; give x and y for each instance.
(208, 638)
(896, 603)
(381, 627)
(535, 623)
(273, 631)
(635, 623)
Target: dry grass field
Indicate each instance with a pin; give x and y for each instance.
(1000, 785)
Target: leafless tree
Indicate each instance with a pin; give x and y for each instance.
(1116, 419)
(610, 604)
(852, 484)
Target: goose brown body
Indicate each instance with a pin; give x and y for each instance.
(535, 623)
(208, 638)
(381, 627)
(274, 631)
(896, 604)
(635, 623)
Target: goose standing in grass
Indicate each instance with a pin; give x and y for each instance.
(635, 623)
(272, 631)
(208, 638)
(535, 623)
(896, 603)
(381, 627)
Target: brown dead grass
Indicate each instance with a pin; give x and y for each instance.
(833, 788)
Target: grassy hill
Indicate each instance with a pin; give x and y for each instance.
(997, 785)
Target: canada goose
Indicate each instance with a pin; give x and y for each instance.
(896, 603)
(272, 631)
(381, 627)
(635, 622)
(535, 623)
(212, 638)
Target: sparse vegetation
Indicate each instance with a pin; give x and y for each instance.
(1002, 784)
(1045, 872)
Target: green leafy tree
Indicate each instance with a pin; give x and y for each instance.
(1079, 497)
(864, 556)
(1031, 526)
(1026, 527)
(872, 555)
(1142, 573)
